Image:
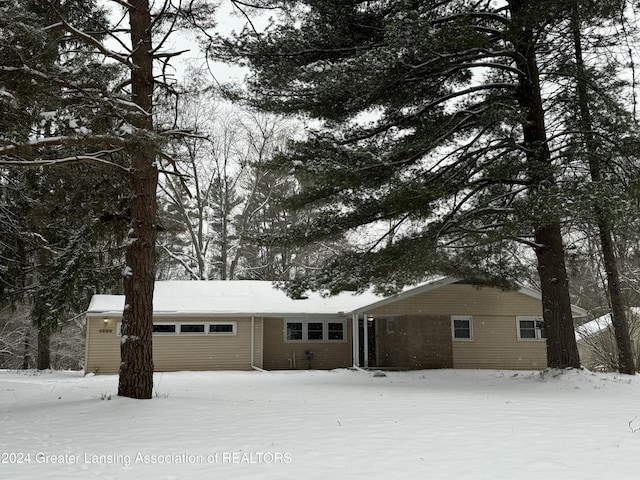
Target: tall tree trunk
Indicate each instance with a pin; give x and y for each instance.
(136, 367)
(562, 350)
(27, 350)
(626, 363)
(44, 349)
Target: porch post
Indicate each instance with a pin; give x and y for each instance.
(365, 340)
(355, 353)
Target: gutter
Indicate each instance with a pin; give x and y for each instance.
(86, 343)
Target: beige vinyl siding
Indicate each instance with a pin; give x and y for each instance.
(281, 355)
(180, 352)
(460, 299)
(103, 346)
(495, 345)
(495, 341)
(417, 342)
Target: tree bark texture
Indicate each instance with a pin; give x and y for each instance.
(44, 349)
(562, 350)
(136, 367)
(626, 363)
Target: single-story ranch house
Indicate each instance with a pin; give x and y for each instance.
(243, 325)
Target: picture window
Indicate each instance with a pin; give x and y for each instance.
(314, 331)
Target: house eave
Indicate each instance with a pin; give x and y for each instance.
(200, 314)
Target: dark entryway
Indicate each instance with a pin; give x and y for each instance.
(371, 342)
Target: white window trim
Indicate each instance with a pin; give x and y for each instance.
(390, 324)
(169, 334)
(538, 338)
(222, 334)
(305, 331)
(469, 318)
(178, 326)
(181, 324)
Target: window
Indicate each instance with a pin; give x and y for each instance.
(391, 325)
(314, 331)
(213, 328)
(222, 328)
(164, 328)
(294, 330)
(336, 331)
(192, 328)
(462, 327)
(530, 328)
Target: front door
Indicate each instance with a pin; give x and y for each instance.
(372, 357)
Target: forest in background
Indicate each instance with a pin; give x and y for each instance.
(395, 136)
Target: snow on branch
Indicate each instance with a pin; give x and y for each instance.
(93, 158)
(90, 40)
(60, 141)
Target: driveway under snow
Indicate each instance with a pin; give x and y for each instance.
(435, 424)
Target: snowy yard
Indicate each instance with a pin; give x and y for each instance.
(436, 424)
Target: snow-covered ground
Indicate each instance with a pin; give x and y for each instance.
(436, 424)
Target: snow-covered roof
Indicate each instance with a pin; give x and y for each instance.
(241, 297)
(599, 324)
(259, 298)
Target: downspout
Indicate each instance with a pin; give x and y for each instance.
(86, 343)
(253, 345)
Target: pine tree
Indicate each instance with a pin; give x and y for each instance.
(432, 131)
(598, 158)
(127, 140)
(46, 260)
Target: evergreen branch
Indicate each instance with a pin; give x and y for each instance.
(480, 15)
(253, 5)
(122, 3)
(495, 66)
(398, 120)
(94, 42)
(315, 52)
(468, 55)
(389, 233)
(44, 76)
(170, 30)
(168, 55)
(235, 4)
(62, 141)
(85, 90)
(95, 158)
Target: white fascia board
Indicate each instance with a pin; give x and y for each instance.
(577, 311)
